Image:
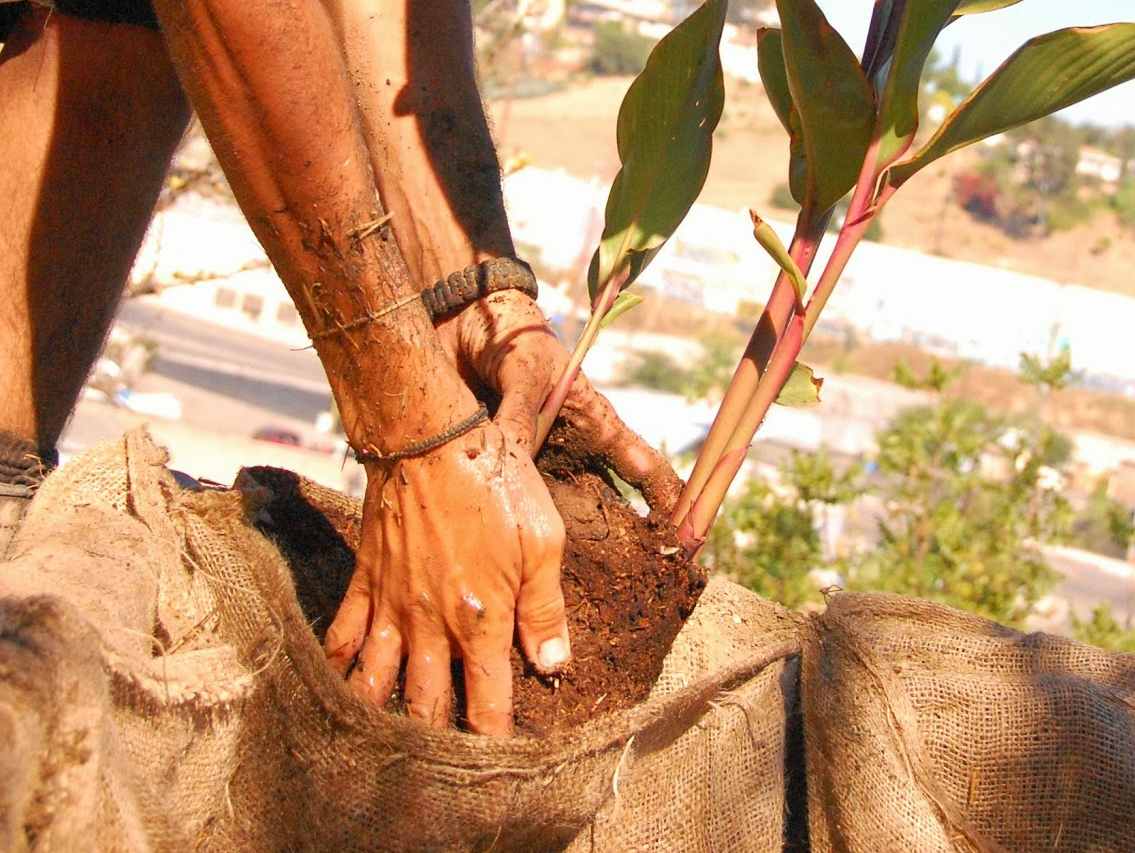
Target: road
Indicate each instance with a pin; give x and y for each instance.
(1089, 580)
(233, 364)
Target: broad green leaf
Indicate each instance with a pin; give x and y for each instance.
(624, 302)
(976, 7)
(665, 139)
(771, 243)
(802, 388)
(918, 26)
(833, 99)
(1047, 74)
(770, 63)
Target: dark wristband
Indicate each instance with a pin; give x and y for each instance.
(476, 281)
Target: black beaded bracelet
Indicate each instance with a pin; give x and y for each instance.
(418, 448)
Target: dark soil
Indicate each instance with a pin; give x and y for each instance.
(626, 587)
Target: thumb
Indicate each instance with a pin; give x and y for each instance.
(522, 395)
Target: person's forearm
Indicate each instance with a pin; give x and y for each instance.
(269, 83)
(412, 65)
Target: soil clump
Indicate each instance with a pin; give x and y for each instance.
(627, 589)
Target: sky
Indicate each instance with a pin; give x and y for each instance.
(987, 40)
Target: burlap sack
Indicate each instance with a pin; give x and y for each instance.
(160, 689)
(928, 729)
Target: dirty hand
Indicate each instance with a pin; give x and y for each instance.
(504, 343)
(459, 546)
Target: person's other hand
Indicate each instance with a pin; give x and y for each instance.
(503, 342)
(460, 546)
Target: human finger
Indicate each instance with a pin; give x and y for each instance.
(635, 461)
(348, 630)
(429, 683)
(376, 668)
(488, 689)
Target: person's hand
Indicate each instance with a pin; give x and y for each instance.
(460, 546)
(503, 342)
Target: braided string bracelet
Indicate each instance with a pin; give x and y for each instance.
(419, 448)
(453, 292)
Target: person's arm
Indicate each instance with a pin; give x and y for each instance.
(412, 65)
(462, 543)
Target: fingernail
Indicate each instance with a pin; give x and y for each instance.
(553, 653)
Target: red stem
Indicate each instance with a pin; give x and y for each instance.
(693, 528)
(754, 361)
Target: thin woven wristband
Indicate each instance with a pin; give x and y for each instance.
(419, 448)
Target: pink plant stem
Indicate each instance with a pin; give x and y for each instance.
(693, 530)
(555, 401)
(743, 386)
(852, 234)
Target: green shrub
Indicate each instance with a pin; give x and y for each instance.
(1104, 525)
(1068, 211)
(782, 198)
(1124, 202)
(1104, 630)
(654, 370)
(618, 50)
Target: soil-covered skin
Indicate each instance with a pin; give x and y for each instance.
(627, 590)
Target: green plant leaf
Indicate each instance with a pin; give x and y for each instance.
(624, 302)
(918, 25)
(771, 243)
(801, 389)
(976, 7)
(1047, 74)
(665, 140)
(774, 78)
(833, 99)
(880, 42)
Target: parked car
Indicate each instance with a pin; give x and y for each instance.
(277, 435)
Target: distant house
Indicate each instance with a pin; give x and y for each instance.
(1098, 164)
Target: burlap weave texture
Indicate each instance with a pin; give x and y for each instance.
(930, 729)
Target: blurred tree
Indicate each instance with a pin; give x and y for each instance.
(942, 76)
(709, 376)
(1047, 376)
(1104, 631)
(937, 377)
(1124, 202)
(703, 377)
(1103, 525)
(1048, 152)
(966, 495)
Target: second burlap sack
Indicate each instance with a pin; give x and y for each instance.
(931, 730)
